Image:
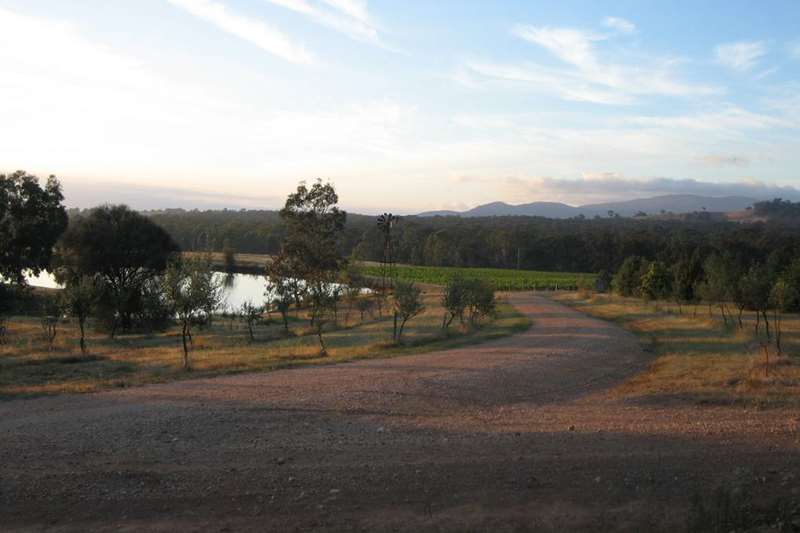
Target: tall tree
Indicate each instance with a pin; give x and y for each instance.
(32, 218)
(314, 227)
(124, 248)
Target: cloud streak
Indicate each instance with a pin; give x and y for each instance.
(246, 28)
(587, 77)
(741, 56)
(351, 19)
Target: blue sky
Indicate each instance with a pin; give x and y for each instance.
(409, 105)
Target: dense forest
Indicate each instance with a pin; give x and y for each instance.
(571, 245)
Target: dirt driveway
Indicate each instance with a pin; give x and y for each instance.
(513, 435)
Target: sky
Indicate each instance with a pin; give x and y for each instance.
(403, 105)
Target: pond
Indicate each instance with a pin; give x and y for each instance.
(237, 288)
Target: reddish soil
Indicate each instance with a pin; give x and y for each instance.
(514, 435)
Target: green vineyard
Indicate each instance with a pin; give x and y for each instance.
(502, 279)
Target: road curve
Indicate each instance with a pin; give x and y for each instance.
(475, 437)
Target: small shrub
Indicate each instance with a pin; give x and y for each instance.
(481, 302)
(250, 314)
(407, 305)
(454, 300)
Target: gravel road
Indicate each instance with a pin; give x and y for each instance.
(517, 434)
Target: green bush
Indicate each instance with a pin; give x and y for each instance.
(628, 279)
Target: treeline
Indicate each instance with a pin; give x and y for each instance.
(574, 245)
(733, 283)
(778, 209)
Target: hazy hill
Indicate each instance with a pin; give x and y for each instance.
(674, 203)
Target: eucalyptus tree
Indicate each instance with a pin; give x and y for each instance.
(32, 218)
(314, 227)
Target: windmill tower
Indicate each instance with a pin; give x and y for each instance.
(385, 224)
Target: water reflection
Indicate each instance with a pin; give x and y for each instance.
(238, 288)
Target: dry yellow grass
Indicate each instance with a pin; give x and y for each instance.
(697, 358)
(28, 367)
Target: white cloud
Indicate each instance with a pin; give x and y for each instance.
(350, 20)
(728, 119)
(620, 24)
(356, 9)
(59, 51)
(247, 28)
(589, 79)
(566, 85)
(741, 56)
(569, 45)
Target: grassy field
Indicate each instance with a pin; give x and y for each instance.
(28, 368)
(502, 278)
(698, 358)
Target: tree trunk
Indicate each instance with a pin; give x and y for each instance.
(400, 331)
(322, 350)
(766, 323)
(447, 320)
(81, 324)
(741, 310)
(758, 322)
(184, 335)
(285, 317)
(722, 310)
(394, 329)
(777, 322)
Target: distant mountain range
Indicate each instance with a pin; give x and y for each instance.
(673, 203)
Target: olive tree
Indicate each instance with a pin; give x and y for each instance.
(656, 283)
(454, 300)
(782, 296)
(191, 290)
(754, 288)
(628, 279)
(79, 299)
(250, 313)
(282, 287)
(480, 299)
(717, 287)
(407, 304)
